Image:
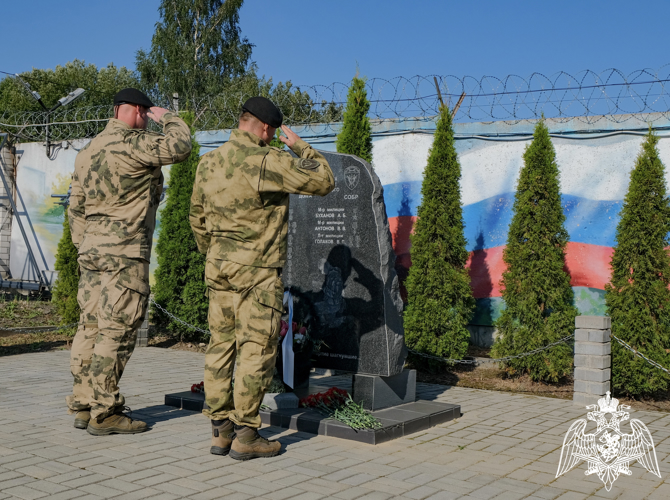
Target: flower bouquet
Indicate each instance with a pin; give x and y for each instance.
(337, 404)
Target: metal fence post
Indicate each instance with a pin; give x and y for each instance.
(593, 359)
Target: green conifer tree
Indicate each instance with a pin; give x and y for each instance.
(536, 288)
(64, 292)
(355, 137)
(637, 298)
(440, 301)
(180, 287)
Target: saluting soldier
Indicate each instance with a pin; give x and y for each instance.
(239, 215)
(116, 188)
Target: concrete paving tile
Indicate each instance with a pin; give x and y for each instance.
(17, 481)
(214, 494)
(10, 474)
(165, 496)
(511, 442)
(193, 484)
(155, 479)
(25, 492)
(572, 495)
(175, 489)
(70, 494)
(358, 479)
(257, 490)
(106, 470)
(139, 494)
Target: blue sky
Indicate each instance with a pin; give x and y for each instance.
(319, 42)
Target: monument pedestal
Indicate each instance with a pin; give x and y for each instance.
(396, 422)
(374, 392)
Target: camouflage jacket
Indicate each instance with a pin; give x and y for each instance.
(239, 207)
(117, 185)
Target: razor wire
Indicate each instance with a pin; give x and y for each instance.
(588, 97)
(638, 353)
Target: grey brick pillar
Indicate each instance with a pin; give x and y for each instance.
(593, 359)
(143, 332)
(7, 159)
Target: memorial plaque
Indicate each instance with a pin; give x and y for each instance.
(340, 270)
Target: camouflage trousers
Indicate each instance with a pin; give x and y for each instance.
(113, 293)
(245, 307)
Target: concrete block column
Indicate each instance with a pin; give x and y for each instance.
(7, 159)
(593, 359)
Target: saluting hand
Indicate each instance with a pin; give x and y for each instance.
(291, 136)
(156, 113)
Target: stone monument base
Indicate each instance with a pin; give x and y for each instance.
(374, 392)
(276, 401)
(396, 422)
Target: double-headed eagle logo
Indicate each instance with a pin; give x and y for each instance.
(617, 451)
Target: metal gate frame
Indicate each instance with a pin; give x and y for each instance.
(41, 282)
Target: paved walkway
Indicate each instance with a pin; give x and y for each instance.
(505, 447)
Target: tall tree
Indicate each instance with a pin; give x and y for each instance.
(440, 301)
(536, 288)
(638, 298)
(355, 138)
(180, 287)
(67, 284)
(196, 49)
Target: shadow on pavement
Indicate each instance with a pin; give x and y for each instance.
(160, 413)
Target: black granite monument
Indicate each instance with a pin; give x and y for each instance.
(340, 270)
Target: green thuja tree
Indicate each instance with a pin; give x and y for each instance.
(536, 287)
(637, 298)
(355, 138)
(180, 287)
(64, 293)
(440, 301)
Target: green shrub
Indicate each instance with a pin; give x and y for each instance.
(637, 298)
(536, 288)
(64, 293)
(440, 301)
(355, 137)
(180, 277)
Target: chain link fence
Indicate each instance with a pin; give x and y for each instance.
(638, 353)
(609, 96)
(473, 362)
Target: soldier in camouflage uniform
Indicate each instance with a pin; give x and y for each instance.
(239, 215)
(116, 189)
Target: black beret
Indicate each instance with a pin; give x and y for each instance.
(265, 110)
(132, 96)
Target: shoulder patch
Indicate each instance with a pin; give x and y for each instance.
(308, 164)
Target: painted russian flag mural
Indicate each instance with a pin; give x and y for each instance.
(594, 180)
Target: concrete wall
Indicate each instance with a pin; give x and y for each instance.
(594, 160)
